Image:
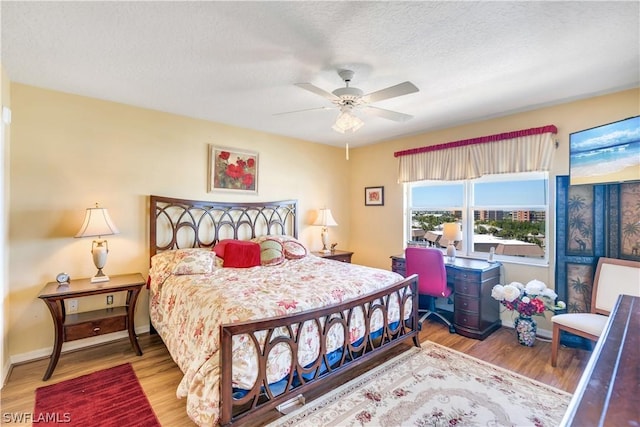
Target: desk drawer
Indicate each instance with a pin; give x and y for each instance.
(341, 258)
(94, 328)
(465, 319)
(467, 276)
(398, 266)
(477, 275)
(467, 288)
(470, 305)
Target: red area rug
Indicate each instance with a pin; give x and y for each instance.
(111, 397)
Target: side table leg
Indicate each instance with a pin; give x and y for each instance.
(132, 298)
(56, 307)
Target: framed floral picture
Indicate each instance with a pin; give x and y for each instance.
(374, 196)
(233, 170)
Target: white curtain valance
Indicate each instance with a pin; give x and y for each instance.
(527, 150)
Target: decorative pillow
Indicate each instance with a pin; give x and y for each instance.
(219, 247)
(264, 237)
(241, 254)
(193, 261)
(294, 249)
(271, 252)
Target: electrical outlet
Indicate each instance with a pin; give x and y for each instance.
(73, 305)
(109, 299)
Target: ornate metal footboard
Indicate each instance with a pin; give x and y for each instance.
(286, 331)
(179, 223)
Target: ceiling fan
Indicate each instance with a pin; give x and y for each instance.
(348, 99)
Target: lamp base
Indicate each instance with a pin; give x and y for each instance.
(325, 241)
(451, 253)
(99, 250)
(99, 279)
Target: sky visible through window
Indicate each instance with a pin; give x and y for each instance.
(515, 205)
(501, 193)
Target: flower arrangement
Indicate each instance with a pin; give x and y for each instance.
(235, 175)
(528, 300)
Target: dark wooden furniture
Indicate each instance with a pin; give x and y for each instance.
(607, 394)
(75, 326)
(177, 223)
(475, 313)
(336, 255)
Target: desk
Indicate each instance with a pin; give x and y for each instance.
(475, 313)
(607, 394)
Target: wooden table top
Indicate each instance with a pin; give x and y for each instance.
(78, 287)
(608, 393)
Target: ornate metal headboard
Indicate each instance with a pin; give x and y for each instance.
(179, 223)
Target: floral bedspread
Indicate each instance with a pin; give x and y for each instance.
(187, 306)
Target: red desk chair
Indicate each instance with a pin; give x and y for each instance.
(428, 264)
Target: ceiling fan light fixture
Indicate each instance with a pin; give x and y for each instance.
(349, 98)
(347, 122)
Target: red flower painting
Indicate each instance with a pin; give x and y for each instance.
(234, 170)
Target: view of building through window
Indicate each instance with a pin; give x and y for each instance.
(505, 212)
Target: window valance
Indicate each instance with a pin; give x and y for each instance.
(525, 150)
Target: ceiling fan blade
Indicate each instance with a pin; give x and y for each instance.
(391, 92)
(315, 89)
(306, 109)
(387, 114)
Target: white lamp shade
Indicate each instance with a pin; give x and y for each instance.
(97, 222)
(451, 231)
(325, 218)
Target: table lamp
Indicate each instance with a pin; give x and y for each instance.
(325, 219)
(452, 232)
(97, 222)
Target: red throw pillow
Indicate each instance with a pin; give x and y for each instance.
(241, 254)
(219, 247)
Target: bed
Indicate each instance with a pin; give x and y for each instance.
(251, 339)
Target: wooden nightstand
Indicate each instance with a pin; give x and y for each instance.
(336, 255)
(75, 326)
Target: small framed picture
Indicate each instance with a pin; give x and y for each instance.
(233, 170)
(374, 196)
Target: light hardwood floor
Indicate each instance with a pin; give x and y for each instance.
(159, 376)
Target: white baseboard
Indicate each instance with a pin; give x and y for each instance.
(5, 372)
(72, 345)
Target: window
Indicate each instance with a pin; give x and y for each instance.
(507, 212)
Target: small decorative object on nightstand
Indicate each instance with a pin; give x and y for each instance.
(75, 326)
(336, 255)
(63, 279)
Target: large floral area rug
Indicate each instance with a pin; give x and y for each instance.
(435, 386)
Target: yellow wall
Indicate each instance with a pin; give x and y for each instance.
(68, 152)
(377, 232)
(5, 100)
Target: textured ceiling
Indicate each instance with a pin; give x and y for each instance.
(237, 62)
